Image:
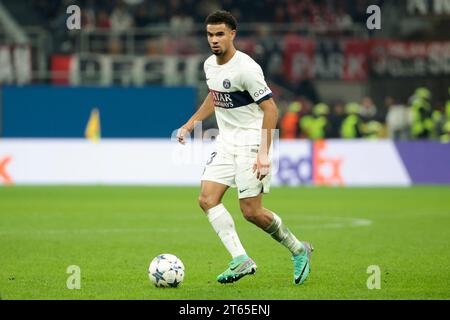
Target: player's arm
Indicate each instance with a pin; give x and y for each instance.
(269, 125)
(203, 112)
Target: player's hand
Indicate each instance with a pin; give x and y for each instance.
(262, 166)
(181, 135)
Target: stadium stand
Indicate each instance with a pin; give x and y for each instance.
(312, 52)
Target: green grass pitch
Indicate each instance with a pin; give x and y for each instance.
(112, 234)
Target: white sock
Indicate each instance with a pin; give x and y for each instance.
(283, 235)
(223, 224)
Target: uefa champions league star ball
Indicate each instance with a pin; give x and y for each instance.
(166, 270)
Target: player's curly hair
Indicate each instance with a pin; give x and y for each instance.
(220, 17)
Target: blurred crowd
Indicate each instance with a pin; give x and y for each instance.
(416, 119)
(122, 14)
(181, 19)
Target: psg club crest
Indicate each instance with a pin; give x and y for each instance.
(226, 84)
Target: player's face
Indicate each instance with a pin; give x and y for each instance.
(220, 38)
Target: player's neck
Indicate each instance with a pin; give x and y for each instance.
(226, 57)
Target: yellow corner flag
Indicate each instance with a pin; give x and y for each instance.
(92, 131)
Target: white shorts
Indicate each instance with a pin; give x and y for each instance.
(236, 170)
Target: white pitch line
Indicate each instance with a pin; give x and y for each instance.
(328, 223)
(332, 222)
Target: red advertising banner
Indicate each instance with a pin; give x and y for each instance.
(61, 65)
(356, 60)
(325, 59)
(396, 59)
(299, 57)
(302, 58)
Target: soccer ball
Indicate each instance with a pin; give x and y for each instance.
(166, 270)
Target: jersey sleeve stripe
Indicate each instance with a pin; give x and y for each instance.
(266, 97)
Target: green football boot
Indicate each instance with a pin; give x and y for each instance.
(302, 262)
(237, 268)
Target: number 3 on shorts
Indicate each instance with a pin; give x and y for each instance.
(212, 158)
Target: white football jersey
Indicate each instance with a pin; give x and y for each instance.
(237, 88)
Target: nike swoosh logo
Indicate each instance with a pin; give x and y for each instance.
(243, 266)
(240, 191)
(301, 274)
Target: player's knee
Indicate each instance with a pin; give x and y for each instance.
(207, 202)
(249, 211)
